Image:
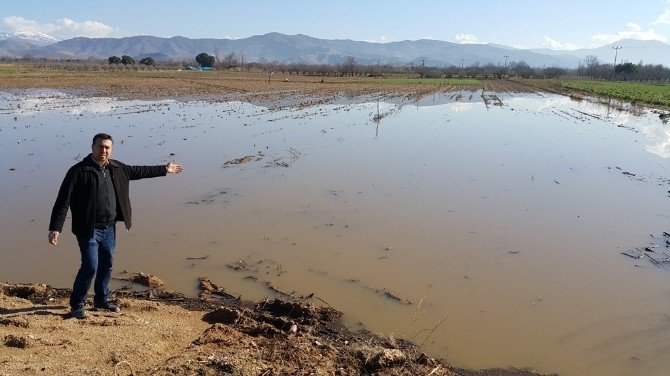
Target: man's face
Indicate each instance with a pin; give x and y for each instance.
(102, 150)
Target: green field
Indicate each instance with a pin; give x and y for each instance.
(8, 68)
(634, 92)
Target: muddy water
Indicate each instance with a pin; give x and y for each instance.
(505, 221)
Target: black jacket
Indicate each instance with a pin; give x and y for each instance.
(80, 188)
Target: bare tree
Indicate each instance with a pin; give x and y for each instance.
(522, 69)
(217, 55)
(229, 60)
(591, 60)
(349, 65)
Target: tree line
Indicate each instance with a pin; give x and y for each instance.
(590, 68)
(128, 60)
(593, 68)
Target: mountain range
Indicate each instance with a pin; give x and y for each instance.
(308, 50)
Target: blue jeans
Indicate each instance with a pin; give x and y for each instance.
(97, 254)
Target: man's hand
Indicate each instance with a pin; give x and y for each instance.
(53, 237)
(174, 168)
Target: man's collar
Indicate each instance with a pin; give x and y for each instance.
(95, 162)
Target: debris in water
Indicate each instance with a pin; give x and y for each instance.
(208, 287)
(656, 257)
(144, 280)
(198, 258)
(237, 161)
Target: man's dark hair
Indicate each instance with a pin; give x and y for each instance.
(102, 136)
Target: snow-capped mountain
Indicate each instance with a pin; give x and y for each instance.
(34, 37)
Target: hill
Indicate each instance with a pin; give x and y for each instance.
(303, 49)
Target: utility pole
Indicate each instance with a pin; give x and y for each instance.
(462, 60)
(616, 51)
(506, 56)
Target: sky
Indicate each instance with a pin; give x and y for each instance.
(565, 24)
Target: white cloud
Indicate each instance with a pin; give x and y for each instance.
(380, 39)
(664, 18)
(518, 46)
(633, 31)
(466, 38)
(63, 28)
(556, 45)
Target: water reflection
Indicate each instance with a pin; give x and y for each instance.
(509, 220)
(460, 107)
(35, 102)
(659, 136)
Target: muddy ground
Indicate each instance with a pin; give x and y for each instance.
(306, 90)
(160, 332)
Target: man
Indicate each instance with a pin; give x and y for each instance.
(96, 192)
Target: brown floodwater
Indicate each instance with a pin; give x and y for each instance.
(508, 222)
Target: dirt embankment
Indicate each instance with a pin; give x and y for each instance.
(165, 333)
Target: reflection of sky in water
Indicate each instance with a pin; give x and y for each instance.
(41, 101)
(657, 133)
(97, 108)
(661, 137)
(551, 102)
(460, 107)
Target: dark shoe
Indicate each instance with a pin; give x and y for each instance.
(78, 313)
(106, 307)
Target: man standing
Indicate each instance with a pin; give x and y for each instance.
(96, 192)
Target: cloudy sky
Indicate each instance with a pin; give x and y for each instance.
(559, 24)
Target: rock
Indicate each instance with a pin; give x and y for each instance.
(206, 285)
(20, 322)
(426, 360)
(14, 341)
(146, 280)
(293, 329)
(219, 333)
(209, 287)
(386, 358)
(26, 291)
(222, 315)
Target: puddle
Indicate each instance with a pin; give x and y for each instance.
(507, 215)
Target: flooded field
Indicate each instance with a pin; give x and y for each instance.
(488, 228)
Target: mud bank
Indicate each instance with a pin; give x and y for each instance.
(161, 332)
